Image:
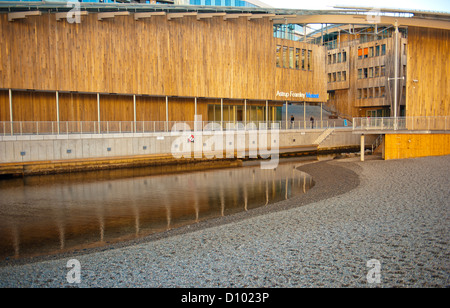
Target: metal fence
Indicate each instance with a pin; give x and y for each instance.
(123, 127)
(402, 123)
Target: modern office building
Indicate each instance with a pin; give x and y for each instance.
(139, 63)
(360, 70)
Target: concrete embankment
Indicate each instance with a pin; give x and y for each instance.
(26, 155)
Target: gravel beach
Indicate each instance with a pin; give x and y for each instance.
(393, 211)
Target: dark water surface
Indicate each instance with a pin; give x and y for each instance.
(55, 213)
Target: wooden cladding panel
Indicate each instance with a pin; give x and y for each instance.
(428, 84)
(403, 146)
(4, 106)
(77, 107)
(116, 108)
(153, 56)
(34, 106)
(298, 80)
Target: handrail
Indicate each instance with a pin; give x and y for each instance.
(18, 128)
(436, 123)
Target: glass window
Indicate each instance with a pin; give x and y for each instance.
(371, 72)
(278, 56)
(334, 58)
(360, 53)
(377, 51)
(297, 58)
(359, 95)
(382, 91)
(344, 76)
(291, 57)
(310, 60)
(366, 73)
(366, 53)
(360, 72)
(329, 59)
(339, 76)
(383, 71)
(371, 52)
(339, 59)
(303, 58)
(334, 77)
(329, 77)
(383, 49)
(377, 71)
(285, 57)
(344, 56)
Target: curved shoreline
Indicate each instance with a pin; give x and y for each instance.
(324, 176)
(393, 212)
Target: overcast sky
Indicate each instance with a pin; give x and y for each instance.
(427, 5)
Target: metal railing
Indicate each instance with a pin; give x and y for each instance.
(402, 123)
(19, 128)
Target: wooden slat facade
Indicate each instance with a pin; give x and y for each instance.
(428, 83)
(150, 57)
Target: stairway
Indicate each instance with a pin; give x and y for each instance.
(326, 133)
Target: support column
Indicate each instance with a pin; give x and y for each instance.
(304, 115)
(134, 111)
(11, 112)
(395, 75)
(363, 147)
(195, 108)
(221, 113)
(321, 117)
(57, 112)
(167, 113)
(98, 112)
(286, 120)
(245, 113)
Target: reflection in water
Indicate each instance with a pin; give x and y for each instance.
(49, 214)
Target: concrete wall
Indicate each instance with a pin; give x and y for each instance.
(19, 149)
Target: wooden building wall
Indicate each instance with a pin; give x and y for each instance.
(157, 57)
(346, 100)
(428, 83)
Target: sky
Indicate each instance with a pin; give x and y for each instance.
(423, 5)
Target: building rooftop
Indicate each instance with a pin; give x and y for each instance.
(337, 15)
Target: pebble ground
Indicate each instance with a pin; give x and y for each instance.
(396, 212)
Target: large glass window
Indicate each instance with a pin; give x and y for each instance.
(297, 58)
(291, 57)
(303, 58)
(285, 57)
(278, 56)
(310, 60)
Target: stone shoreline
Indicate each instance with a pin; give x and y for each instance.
(392, 211)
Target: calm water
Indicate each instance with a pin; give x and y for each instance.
(51, 214)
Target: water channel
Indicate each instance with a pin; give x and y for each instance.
(49, 214)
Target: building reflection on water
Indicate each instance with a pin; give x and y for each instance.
(50, 214)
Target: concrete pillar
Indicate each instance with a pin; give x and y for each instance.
(134, 112)
(221, 113)
(195, 108)
(363, 148)
(245, 113)
(286, 115)
(57, 112)
(11, 112)
(167, 113)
